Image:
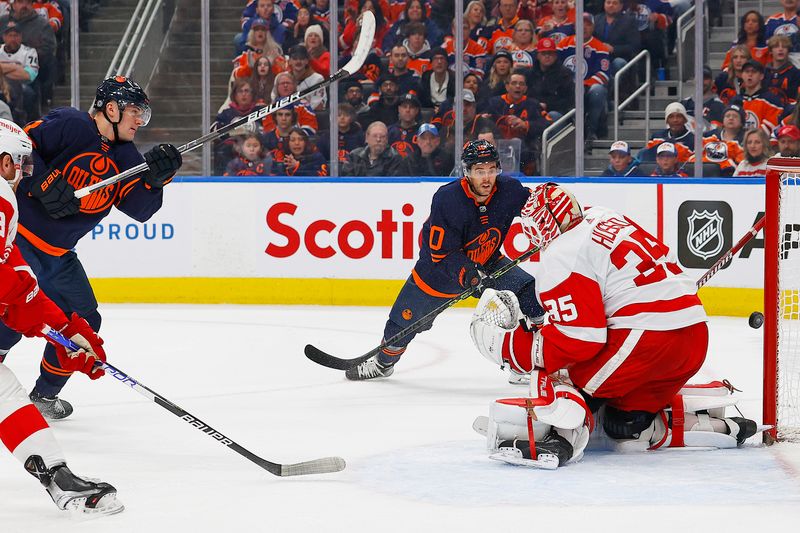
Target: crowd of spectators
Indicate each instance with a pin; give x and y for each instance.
(33, 54)
(396, 115)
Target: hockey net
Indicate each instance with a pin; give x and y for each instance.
(782, 299)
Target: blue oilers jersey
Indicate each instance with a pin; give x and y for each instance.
(460, 231)
(68, 140)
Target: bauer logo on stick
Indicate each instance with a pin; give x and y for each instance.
(704, 232)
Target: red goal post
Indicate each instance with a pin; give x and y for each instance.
(781, 406)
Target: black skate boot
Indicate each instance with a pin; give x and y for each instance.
(741, 428)
(553, 444)
(51, 408)
(72, 493)
(369, 369)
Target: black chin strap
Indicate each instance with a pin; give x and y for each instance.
(113, 124)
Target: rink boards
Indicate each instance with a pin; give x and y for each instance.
(354, 241)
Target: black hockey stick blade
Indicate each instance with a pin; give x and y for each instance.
(338, 363)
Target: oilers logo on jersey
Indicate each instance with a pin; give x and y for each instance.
(481, 248)
(86, 169)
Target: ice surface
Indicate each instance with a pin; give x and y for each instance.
(414, 462)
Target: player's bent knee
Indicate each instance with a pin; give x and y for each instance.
(626, 424)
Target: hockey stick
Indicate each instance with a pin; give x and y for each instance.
(727, 256)
(317, 466)
(337, 363)
(352, 66)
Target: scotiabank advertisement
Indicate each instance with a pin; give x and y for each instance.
(371, 230)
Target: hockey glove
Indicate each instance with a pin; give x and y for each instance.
(471, 276)
(163, 161)
(57, 196)
(79, 332)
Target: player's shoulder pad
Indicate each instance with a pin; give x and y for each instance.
(69, 113)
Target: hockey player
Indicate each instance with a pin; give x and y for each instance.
(623, 319)
(25, 308)
(461, 242)
(73, 149)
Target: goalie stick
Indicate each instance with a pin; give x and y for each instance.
(337, 363)
(317, 466)
(727, 256)
(359, 55)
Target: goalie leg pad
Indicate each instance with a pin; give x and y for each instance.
(509, 422)
(691, 422)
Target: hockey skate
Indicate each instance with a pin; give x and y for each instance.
(51, 408)
(551, 452)
(83, 497)
(369, 369)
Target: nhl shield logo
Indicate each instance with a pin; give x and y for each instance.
(705, 238)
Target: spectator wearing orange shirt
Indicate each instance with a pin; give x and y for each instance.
(286, 85)
(418, 48)
(761, 107)
(259, 42)
(752, 34)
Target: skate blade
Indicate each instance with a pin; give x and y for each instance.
(545, 461)
(107, 505)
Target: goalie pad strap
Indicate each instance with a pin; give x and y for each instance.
(678, 422)
(531, 436)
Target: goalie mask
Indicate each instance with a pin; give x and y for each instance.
(550, 211)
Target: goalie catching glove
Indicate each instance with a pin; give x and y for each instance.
(494, 324)
(79, 332)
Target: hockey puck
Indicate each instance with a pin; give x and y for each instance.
(756, 320)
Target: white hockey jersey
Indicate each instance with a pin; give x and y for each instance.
(609, 273)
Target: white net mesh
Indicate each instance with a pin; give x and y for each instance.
(788, 379)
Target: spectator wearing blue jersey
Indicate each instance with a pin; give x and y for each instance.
(302, 158)
(595, 80)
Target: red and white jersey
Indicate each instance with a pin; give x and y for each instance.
(609, 273)
(8, 219)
